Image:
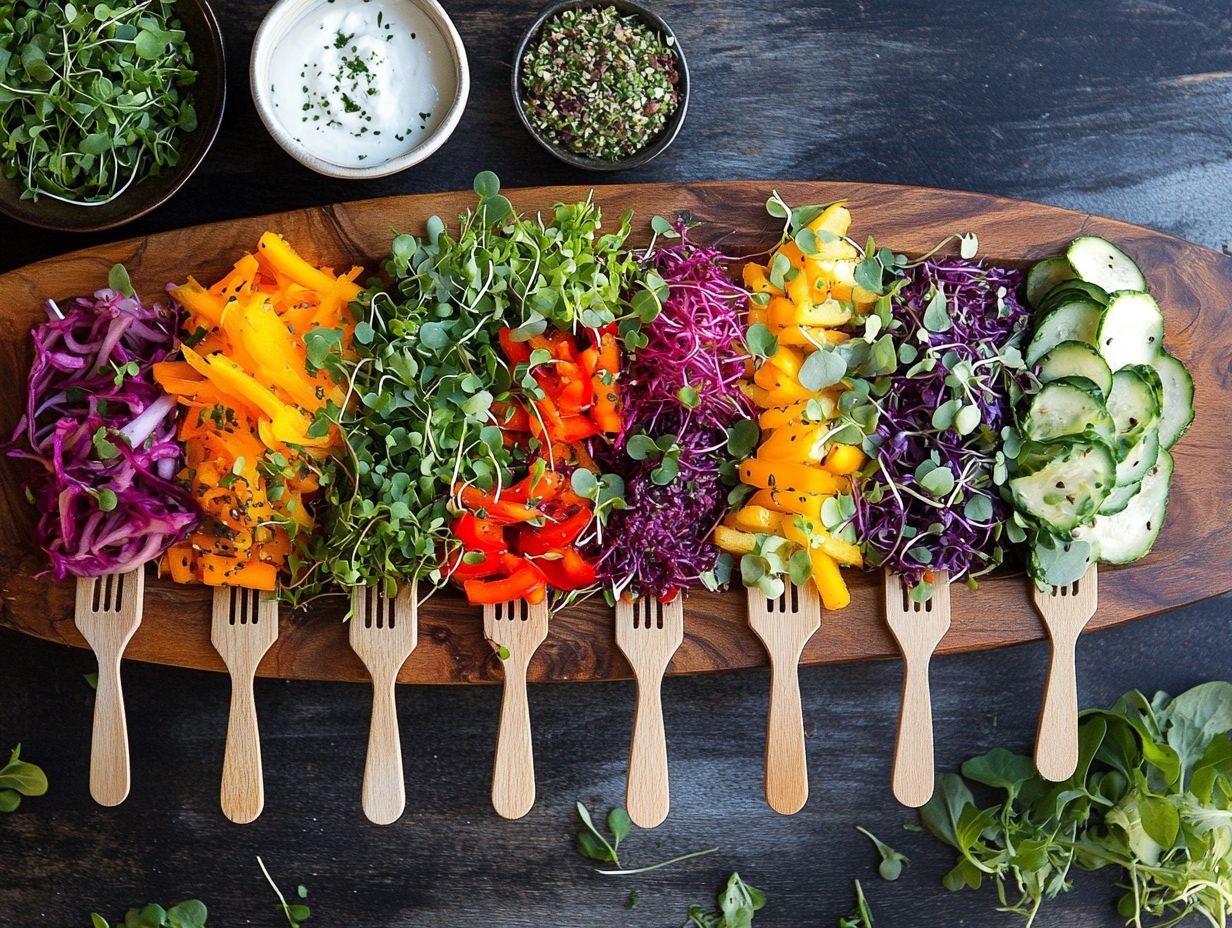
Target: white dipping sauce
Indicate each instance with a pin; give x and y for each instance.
(360, 82)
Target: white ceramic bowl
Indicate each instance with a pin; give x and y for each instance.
(273, 29)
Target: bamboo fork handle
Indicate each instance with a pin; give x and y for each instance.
(913, 752)
(513, 776)
(110, 776)
(243, 786)
(1056, 742)
(384, 793)
(647, 792)
(786, 766)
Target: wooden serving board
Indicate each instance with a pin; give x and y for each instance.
(1190, 562)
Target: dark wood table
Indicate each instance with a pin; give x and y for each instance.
(1120, 109)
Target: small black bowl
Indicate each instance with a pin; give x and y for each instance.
(209, 94)
(670, 131)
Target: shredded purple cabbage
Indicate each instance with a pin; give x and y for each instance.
(105, 437)
(897, 526)
(662, 542)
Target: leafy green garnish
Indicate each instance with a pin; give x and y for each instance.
(19, 778)
(118, 280)
(92, 98)
(861, 915)
(1151, 796)
(191, 913)
(296, 913)
(594, 844)
(736, 904)
(891, 866)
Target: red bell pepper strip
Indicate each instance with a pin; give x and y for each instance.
(570, 571)
(511, 417)
(575, 428)
(502, 511)
(543, 488)
(516, 352)
(555, 536)
(477, 533)
(457, 568)
(520, 583)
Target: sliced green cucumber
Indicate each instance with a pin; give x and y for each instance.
(1133, 403)
(1131, 330)
(1100, 262)
(1062, 408)
(1076, 321)
(1076, 359)
(1119, 498)
(1138, 459)
(1044, 276)
(1177, 407)
(1072, 290)
(1130, 533)
(1062, 484)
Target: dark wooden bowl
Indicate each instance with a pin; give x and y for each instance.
(209, 93)
(660, 143)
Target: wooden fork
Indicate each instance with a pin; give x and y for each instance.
(1065, 611)
(245, 625)
(108, 612)
(918, 628)
(648, 632)
(519, 628)
(383, 633)
(784, 626)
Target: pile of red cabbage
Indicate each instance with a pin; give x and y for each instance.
(104, 433)
(661, 543)
(897, 516)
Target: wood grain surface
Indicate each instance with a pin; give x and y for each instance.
(1193, 285)
(1110, 107)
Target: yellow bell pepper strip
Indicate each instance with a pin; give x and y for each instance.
(790, 502)
(757, 280)
(787, 360)
(757, 519)
(794, 414)
(811, 336)
(844, 459)
(802, 443)
(789, 475)
(733, 540)
(822, 313)
(835, 219)
(815, 536)
(274, 248)
(829, 580)
(781, 388)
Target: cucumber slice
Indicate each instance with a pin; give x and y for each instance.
(1119, 498)
(1133, 404)
(1139, 459)
(1076, 359)
(1044, 276)
(1131, 330)
(1177, 392)
(1062, 484)
(1130, 533)
(1062, 408)
(1072, 290)
(1075, 321)
(1100, 262)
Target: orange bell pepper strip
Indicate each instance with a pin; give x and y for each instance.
(543, 487)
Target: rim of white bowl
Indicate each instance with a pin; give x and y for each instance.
(278, 21)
